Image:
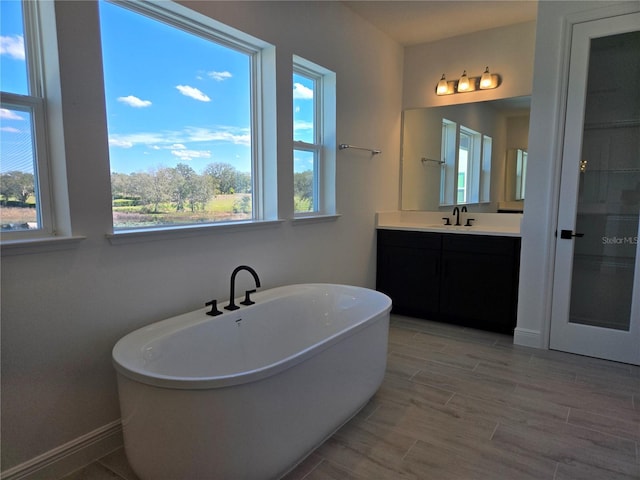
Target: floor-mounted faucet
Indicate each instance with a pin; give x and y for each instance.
(247, 300)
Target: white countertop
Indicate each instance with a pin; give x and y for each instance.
(500, 224)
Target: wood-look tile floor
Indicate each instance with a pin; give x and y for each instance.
(461, 404)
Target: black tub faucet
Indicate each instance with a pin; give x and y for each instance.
(232, 305)
(456, 212)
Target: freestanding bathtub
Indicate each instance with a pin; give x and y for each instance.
(250, 393)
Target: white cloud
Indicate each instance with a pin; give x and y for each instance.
(134, 101)
(7, 114)
(177, 140)
(193, 93)
(10, 130)
(220, 76)
(300, 92)
(116, 142)
(223, 134)
(299, 125)
(12, 46)
(191, 154)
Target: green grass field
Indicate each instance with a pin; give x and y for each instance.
(221, 208)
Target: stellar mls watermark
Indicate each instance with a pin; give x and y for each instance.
(619, 240)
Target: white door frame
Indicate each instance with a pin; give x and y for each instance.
(563, 335)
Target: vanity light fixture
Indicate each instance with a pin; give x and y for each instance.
(583, 166)
(466, 83)
(445, 87)
(489, 80)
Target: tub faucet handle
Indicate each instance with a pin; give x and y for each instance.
(247, 300)
(214, 308)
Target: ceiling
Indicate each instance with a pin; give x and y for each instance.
(413, 22)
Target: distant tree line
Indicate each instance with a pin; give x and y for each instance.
(182, 186)
(16, 187)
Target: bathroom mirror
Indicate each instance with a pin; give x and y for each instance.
(505, 121)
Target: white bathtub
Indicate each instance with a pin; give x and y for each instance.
(250, 393)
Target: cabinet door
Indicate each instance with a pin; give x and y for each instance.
(408, 271)
(479, 281)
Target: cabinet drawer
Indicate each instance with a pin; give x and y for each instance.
(480, 244)
(399, 238)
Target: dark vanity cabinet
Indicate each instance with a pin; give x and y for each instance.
(466, 279)
(408, 271)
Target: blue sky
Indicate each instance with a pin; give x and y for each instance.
(171, 97)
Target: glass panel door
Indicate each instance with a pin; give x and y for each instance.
(609, 186)
(596, 299)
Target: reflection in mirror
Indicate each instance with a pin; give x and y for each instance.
(515, 175)
(423, 165)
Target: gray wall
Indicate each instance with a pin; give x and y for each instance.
(63, 310)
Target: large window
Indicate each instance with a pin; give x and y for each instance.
(313, 128)
(466, 167)
(25, 204)
(182, 108)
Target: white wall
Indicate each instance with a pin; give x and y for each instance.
(62, 311)
(545, 143)
(507, 51)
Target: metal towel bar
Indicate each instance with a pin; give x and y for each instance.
(342, 146)
(425, 159)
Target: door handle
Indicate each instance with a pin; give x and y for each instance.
(568, 234)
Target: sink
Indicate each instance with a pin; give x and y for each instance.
(441, 226)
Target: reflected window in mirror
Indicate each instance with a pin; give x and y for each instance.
(521, 173)
(516, 174)
(466, 168)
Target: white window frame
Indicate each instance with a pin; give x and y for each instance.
(478, 175)
(263, 109)
(323, 146)
(35, 104)
(485, 172)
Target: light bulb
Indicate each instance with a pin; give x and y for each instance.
(486, 81)
(443, 87)
(463, 83)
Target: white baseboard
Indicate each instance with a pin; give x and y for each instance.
(71, 456)
(527, 338)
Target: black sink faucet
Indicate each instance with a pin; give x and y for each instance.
(232, 305)
(456, 212)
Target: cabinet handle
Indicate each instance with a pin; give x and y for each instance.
(568, 234)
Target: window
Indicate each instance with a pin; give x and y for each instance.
(25, 205)
(466, 171)
(183, 116)
(313, 127)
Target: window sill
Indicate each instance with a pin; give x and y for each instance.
(124, 237)
(27, 246)
(315, 219)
